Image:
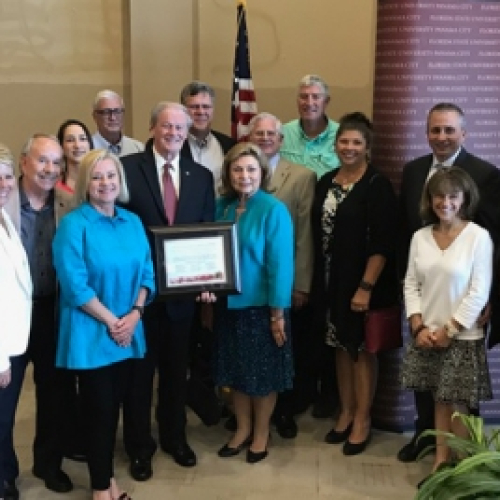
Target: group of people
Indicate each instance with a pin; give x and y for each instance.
(322, 238)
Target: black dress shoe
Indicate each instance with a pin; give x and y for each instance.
(337, 437)
(285, 426)
(227, 451)
(140, 469)
(56, 480)
(181, 453)
(411, 451)
(10, 492)
(350, 449)
(256, 456)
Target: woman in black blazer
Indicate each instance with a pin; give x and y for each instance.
(354, 227)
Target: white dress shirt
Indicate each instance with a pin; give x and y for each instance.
(174, 171)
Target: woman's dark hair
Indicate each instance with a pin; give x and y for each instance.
(235, 153)
(360, 123)
(62, 130)
(449, 180)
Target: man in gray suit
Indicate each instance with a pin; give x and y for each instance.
(294, 185)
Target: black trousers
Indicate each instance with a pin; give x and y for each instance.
(168, 344)
(101, 391)
(50, 386)
(9, 397)
(314, 367)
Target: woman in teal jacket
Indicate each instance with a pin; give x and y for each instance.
(253, 354)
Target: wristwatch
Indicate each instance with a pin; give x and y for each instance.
(364, 285)
(138, 308)
(451, 330)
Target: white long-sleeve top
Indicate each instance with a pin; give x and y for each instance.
(452, 283)
(15, 295)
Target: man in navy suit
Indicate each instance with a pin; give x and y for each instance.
(167, 324)
(446, 135)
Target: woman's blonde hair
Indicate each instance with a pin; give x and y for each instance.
(86, 168)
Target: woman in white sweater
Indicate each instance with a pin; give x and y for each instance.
(15, 314)
(446, 287)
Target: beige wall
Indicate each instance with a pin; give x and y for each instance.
(56, 54)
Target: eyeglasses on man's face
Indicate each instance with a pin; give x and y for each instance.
(109, 112)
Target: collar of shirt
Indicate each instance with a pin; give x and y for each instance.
(447, 163)
(174, 171)
(114, 148)
(319, 138)
(200, 143)
(25, 202)
(273, 163)
(93, 215)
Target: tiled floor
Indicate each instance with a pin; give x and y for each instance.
(302, 469)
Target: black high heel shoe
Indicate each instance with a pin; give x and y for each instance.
(337, 437)
(256, 456)
(227, 451)
(351, 449)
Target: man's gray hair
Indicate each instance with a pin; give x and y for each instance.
(308, 80)
(25, 151)
(162, 106)
(194, 88)
(263, 116)
(107, 94)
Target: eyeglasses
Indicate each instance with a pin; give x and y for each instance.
(110, 112)
(204, 107)
(266, 133)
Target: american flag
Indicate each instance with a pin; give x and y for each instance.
(243, 106)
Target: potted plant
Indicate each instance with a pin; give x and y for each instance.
(474, 472)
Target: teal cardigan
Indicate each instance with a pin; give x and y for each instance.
(265, 241)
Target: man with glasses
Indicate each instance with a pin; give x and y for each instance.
(204, 145)
(309, 139)
(108, 115)
(294, 185)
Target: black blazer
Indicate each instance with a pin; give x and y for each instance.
(226, 143)
(487, 178)
(196, 201)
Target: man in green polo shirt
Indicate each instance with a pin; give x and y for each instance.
(309, 139)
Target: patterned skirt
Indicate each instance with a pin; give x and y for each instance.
(458, 374)
(247, 358)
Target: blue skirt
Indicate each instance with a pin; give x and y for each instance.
(247, 358)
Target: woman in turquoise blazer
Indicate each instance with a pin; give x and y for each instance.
(253, 352)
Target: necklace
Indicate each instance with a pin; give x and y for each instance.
(345, 178)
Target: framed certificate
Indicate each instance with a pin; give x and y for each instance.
(196, 258)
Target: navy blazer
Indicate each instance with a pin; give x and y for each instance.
(196, 202)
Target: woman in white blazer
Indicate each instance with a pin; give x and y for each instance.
(15, 313)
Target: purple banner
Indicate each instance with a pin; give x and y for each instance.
(430, 52)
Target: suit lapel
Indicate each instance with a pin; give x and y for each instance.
(280, 176)
(186, 150)
(186, 179)
(148, 169)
